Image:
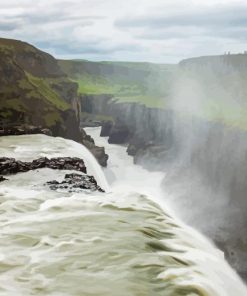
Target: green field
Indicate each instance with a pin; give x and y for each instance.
(150, 84)
(143, 83)
(120, 92)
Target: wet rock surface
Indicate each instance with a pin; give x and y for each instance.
(82, 137)
(98, 152)
(24, 130)
(72, 182)
(10, 166)
(106, 128)
(75, 183)
(119, 134)
(2, 179)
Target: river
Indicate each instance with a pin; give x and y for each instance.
(122, 243)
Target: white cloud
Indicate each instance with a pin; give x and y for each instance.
(157, 30)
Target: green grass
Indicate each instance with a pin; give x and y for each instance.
(52, 118)
(5, 49)
(151, 88)
(143, 83)
(43, 88)
(121, 92)
(89, 84)
(149, 101)
(95, 85)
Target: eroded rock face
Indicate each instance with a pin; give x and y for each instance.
(10, 166)
(119, 134)
(75, 183)
(98, 152)
(106, 128)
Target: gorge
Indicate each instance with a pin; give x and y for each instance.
(198, 141)
(172, 147)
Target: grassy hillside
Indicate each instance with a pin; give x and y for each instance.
(127, 82)
(33, 88)
(212, 88)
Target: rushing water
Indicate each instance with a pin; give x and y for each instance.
(120, 243)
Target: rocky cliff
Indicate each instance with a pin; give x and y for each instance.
(148, 132)
(35, 91)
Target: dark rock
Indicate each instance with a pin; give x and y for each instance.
(2, 179)
(10, 166)
(106, 128)
(98, 153)
(75, 183)
(89, 139)
(86, 137)
(72, 130)
(119, 134)
(135, 145)
(24, 130)
(54, 182)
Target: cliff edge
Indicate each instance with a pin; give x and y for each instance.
(35, 91)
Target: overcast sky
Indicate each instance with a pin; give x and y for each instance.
(134, 30)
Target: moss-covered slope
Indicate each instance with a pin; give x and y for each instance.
(33, 88)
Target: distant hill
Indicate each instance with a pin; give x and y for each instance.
(127, 82)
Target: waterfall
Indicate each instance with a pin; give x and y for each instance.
(123, 242)
(30, 147)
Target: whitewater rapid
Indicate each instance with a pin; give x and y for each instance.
(120, 243)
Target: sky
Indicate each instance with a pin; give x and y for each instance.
(160, 31)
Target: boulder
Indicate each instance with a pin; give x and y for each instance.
(75, 183)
